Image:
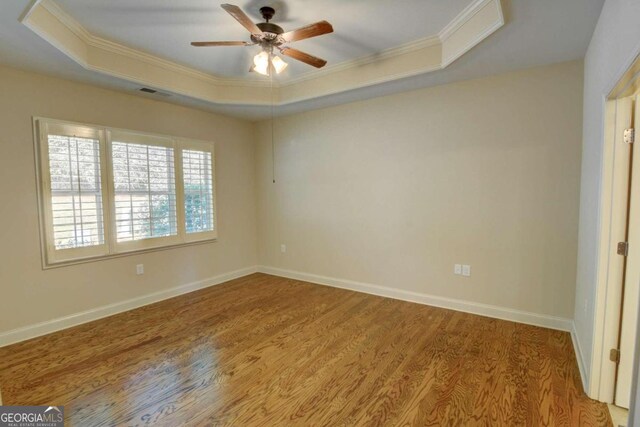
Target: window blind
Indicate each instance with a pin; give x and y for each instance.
(105, 191)
(144, 191)
(76, 191)
(198, 190)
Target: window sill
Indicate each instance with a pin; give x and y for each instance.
(48, 266)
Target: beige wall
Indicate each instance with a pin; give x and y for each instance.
(27, 293)
(394, 191)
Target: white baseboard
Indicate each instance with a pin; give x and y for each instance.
(579, 357)
(43, 328)
(552, 322)
(504, 313)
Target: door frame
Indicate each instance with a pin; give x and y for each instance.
(609, 268)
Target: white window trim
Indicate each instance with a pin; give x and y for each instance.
(144, 139)
(189, 144)
(111, 248)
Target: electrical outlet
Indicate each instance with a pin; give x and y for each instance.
(140, 269)
(457, 269)
(466, 270)
(283, 248)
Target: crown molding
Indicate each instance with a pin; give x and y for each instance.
(393, 52)
(473, 25)
(477, 22)
(465, 16)
(100, 43)
(73, 25)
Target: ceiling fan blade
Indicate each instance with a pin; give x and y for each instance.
(304, 57)
(242, 18)
(201, 44)
(313, 30)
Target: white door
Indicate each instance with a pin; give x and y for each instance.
(631, 281)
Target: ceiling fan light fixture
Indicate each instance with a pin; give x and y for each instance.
(278, 64)
(269, 37)
(261, 63)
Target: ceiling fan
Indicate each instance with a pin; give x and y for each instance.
(270, 37)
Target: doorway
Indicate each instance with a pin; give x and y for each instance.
(629, 251)
(619, 260)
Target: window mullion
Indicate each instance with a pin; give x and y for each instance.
(149, 198)
(208, 186)
(97, 185)
(128, 160)
(108, 193)
(201, 179)
(180, 197)
(79, 190)
(73, 197)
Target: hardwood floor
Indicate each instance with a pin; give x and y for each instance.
(263, 350)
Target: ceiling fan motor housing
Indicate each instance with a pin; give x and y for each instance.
(270, 35)
(268, 27)
(270, 31)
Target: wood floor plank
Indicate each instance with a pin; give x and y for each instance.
(263, 350)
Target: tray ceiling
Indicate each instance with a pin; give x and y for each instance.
(386, 62)
(166, 27)
(535, 33)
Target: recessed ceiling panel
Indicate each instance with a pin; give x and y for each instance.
(166, 27)
(536, 33)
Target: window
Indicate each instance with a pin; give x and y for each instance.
(198, 191)
(144, 191)
(107, 191)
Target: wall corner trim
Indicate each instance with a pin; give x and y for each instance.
(578, 351)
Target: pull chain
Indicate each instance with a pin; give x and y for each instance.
(273, 146)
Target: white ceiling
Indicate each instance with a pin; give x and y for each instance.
(166, 27)
(537, 32)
